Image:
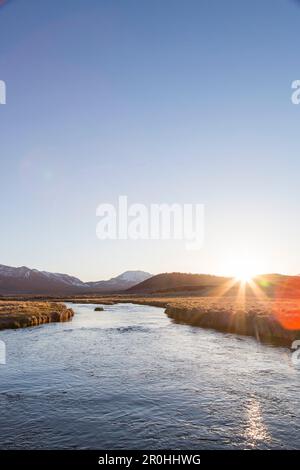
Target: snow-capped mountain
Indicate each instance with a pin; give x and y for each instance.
(24, 280)
(133, 276)
(122, 282)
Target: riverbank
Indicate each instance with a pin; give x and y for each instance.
(21, 314)
(267, 321)
(275, 321)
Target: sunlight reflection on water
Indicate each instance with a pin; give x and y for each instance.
(256, 430)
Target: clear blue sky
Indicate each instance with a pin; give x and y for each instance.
(165, 101)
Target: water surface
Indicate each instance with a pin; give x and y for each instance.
(130, 378)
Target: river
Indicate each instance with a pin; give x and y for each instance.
(129, 378)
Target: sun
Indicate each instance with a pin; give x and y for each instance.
(242, 268)
(244, 275)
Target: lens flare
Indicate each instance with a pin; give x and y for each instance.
(288, 313)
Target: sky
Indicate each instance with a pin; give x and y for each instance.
(165, 102)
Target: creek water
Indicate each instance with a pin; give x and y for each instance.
(128, 377)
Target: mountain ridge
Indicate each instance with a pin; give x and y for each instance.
(271, 285)
(24, 280)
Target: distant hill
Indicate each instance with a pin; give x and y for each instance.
(270, 285)
(23, 280)
(173, 282)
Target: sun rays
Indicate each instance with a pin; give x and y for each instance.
(276, 297)
(245, 283)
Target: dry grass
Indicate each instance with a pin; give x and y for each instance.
(274, 321)
(20, 314)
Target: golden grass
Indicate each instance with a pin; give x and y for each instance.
(274, 321)
(20, 314)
